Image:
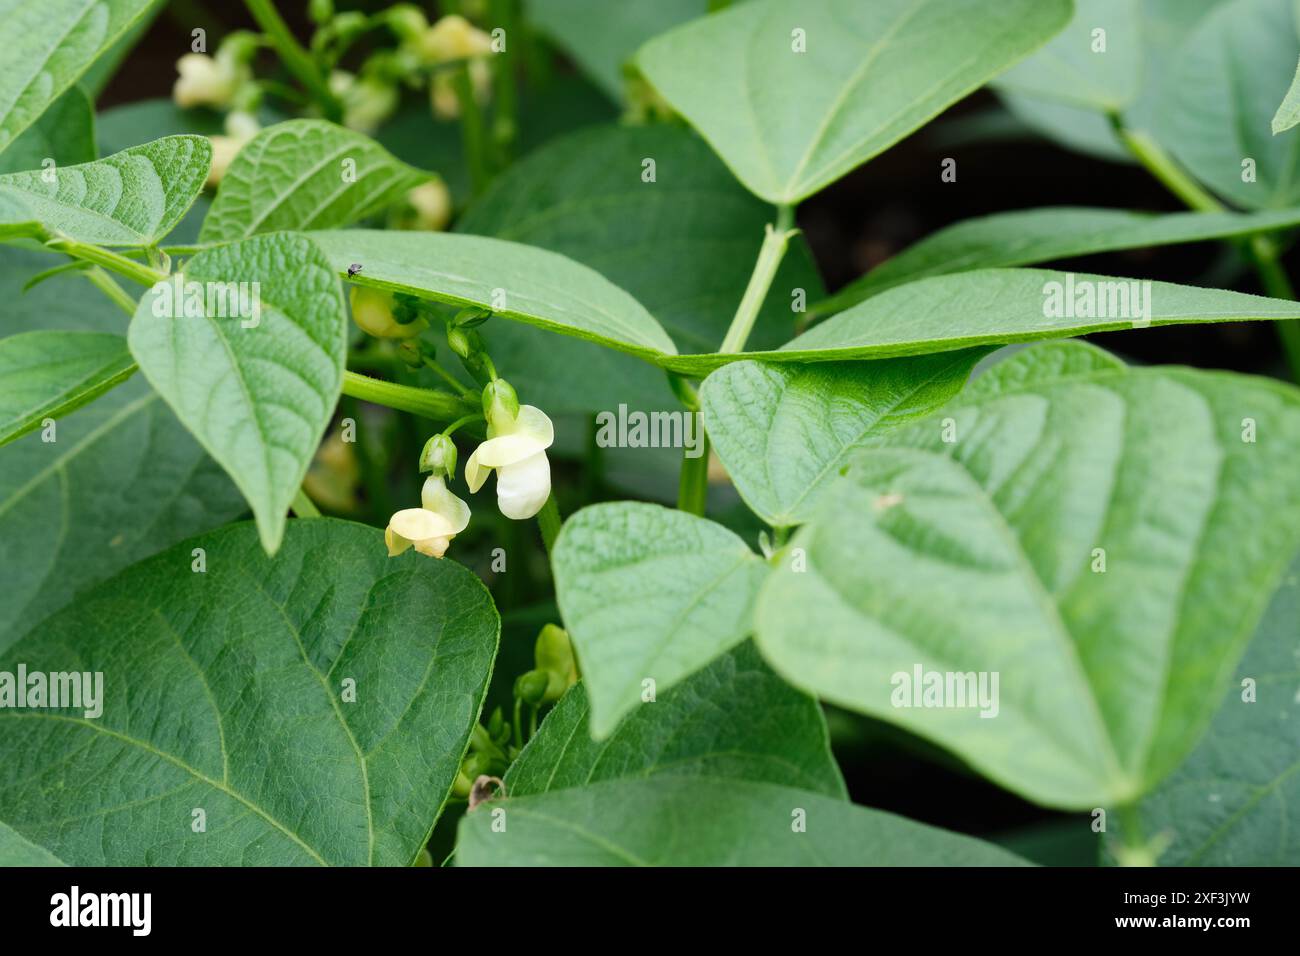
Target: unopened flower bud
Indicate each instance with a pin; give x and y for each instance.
(530, 687)
(439, 456)
(500, 403)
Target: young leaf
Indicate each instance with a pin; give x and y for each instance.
(132, 198)
(121, 481)
(784, 431)
(1288, 113)
(1030, 236)
(602, 44)
(733, 720)
(65, 133)
(16, 851)
(999, 306)
(1232, 800)
(1095, 62)
(1069, 526)
(794, 95)
(48, 46)
(305, 174)
(49, 374)
(516, 282)
(649, 596)
(1221, 98)
(355, 677)
(682, 244)
(256, 384)
(683, 821)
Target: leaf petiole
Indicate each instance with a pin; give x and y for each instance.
(426, 402)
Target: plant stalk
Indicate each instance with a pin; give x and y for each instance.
(769, 260)
(426, 402)
(549, 521)
(471, 129)
(296, 59)
(129, 268)
(303, 506)
(1260, 249)
(102, 281)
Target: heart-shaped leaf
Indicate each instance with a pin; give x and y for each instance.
(1046, 576)
(733, 720)
(1219, 104)
(1232, 801)
(1095, 62)
(315, 706)
(515, 281)
(683, 245)
(65, 133)
(132, 198)
(47, 46)
(649, 595)
(1288, 112)
(49, 374)
(248, 347)
(602, 44)
(305, 174)
(794, 95)
(785, 431)
(684, 821)
(1000, 306)
(1030, 236)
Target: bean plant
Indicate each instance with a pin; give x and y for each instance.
(428, 438)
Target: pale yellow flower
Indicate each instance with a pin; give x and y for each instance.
(429, 528)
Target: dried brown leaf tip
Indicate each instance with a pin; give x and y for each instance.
(485, 789)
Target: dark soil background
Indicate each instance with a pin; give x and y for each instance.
(852, 226)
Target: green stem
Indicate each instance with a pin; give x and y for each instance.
(471, 128)
(519, 730)
(102, 281)
(769, 259)
(548, 519)
(693, 484)
(1137, 850)
(426, 402)
(448, 378)
(532, 721)
(505, 118)
(463, 420)
(296, 59)
(1261, 250)
(135, 271)
(303, 506)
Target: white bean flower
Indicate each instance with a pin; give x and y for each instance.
(516, 448)
(206, 81)
(429, 528)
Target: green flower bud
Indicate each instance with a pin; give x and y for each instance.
(462, 784)
(439, 456)
(500, 403)
(320, 11)
(471, 318)
(553, 654)
(372, 310)
(530, 687)
(464, 342)
(239, 47)
(407, 21)
(479, 739)
(497, 728)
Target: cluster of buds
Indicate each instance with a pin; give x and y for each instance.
(225, 83)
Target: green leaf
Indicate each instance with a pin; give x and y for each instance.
(784, 431)
(49, 374)
(517, 282)
(684, 821)
(132, 198)
(602, 42)
(48, 46)
(1288, 112)
(15, 851)
(980, 554)
(999, 306)
(1030, 236)
(733, 720)
(121, 481)
(788, 123)
(1221, 99)
(65, 133)
(1232, 801)
(1072, 69)
(649, 594)
(305, 174)
(683, 246)
(228, 691)
(255, 385)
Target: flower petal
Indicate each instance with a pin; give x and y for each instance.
(475, 474)
(524, 486)
(436, 498)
